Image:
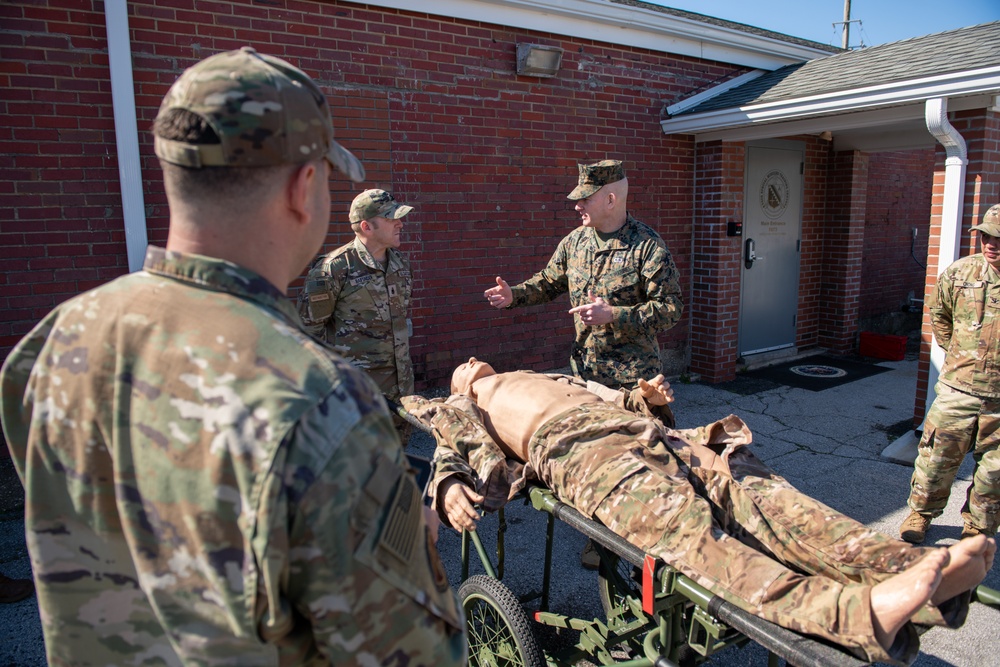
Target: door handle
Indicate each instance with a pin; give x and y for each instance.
(748, 253)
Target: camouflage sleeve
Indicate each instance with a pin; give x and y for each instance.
(355, 554)
(464, 449)
(318, 299)
(663, 305)
(940, 307)
(633, 401)
(17, 406)
(545, 285)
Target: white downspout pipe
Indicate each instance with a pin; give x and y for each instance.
(126, 133)
(936, 116)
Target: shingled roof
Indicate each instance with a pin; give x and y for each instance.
(942, 53)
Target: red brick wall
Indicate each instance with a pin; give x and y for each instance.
(843, 239)
(715, 283)
(432, 106)
(899, 201)
(815, 221)
(60, 210)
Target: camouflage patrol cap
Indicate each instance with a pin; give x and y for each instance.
(595, 176)
(265, 111)
(991, 222)
(372, 203)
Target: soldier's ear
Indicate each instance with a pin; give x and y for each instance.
(300, 185)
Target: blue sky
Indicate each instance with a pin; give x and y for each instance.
(881, 20)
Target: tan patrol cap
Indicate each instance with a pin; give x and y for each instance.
(373, 203)
(991, 222)
(595, 176)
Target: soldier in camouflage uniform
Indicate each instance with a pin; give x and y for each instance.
(965, 415)
(623, 285)
(698, 499)
(357, 298)
(206, 484)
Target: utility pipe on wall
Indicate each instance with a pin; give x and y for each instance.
(126, 132)
(936, 117)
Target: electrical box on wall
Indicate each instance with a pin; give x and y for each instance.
(734, 229)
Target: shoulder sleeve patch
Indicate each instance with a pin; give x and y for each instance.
(318, 298)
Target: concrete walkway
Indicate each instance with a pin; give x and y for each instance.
(827, 443)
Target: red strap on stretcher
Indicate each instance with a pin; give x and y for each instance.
(648, 583)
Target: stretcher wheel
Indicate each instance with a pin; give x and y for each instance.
(500, 632)
(616, 582)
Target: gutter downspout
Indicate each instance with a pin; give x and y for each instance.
(904, 448)
(126, 132)
(936, 116)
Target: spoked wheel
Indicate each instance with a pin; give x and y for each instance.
(617, 581)
(500, 633)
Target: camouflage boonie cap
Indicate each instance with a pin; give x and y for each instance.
(595, 176)
(265, 111)
(991, 222)
(372, 203)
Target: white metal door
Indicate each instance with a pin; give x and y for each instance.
(770, 264)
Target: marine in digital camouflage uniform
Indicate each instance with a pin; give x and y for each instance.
(206, 484)
(965, 415)
(621, 263)
(717, 514)
(357, 298)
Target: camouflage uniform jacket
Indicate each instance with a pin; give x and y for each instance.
(965, 316)
(351, 302)
(636, 275)
(465, 448)
(206, 485)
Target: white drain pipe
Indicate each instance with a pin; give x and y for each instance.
(126, 132)
(936, 116)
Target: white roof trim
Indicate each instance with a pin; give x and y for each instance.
(946, 85)
(715, 91)
(884, 118)
(603, 21)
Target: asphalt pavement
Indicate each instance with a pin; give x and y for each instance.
(827, 443)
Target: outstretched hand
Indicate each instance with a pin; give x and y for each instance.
(458, 501)
(656, 391)
(595, 313)
(499, 296)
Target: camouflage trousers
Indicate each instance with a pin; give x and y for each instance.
(956, 424)
(750, 537)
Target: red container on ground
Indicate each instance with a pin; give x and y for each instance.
(883, 346)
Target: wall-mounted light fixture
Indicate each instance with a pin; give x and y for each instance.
(538, 60)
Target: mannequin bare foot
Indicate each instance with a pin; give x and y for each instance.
(895, 600)
(971, 560)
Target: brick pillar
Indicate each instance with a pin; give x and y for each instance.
(981, 130)
(843, 246)
(715, 292)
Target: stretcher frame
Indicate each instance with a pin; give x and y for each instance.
(654, 612)
(663, 619)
